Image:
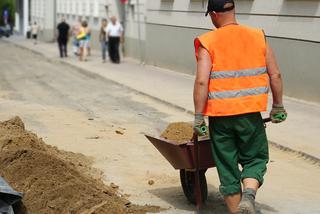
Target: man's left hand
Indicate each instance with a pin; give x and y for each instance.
(278, 114)
(200, 128)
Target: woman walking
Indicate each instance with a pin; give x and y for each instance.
(104, 39)
(83, 40)
(88, 45)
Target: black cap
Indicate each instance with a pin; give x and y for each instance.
(219, 6)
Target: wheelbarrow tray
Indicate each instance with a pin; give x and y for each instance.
(183, 156)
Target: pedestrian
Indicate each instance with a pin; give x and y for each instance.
(5, 16)
(34, 32)
(115, 35)
(235, 66)
(75, 32)
(63, 36)
(88, 42)
(83, 40)
(104, 39)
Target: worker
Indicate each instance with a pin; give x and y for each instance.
(235, 68)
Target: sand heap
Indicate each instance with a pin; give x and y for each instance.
(180, 132)
(54, 181)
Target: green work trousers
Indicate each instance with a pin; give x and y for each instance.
(239, 139)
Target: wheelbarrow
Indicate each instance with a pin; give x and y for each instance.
(193, 159)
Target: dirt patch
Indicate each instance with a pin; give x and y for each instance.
(180, 132)
(55, 181)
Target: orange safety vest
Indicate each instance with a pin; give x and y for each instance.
(239, 82)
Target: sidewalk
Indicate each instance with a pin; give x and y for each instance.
(298, 133)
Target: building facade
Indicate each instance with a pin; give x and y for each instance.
(22, 16)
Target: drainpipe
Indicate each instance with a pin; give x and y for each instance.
(54, 19)
(139, 32)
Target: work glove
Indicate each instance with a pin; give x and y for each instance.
(200, 128)
(278, 114)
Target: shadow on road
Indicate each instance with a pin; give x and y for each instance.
(175, 197)
(215, 203)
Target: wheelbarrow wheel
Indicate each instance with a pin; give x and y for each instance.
(187, 179)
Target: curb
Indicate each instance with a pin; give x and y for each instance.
(86, 72)
(304, 155)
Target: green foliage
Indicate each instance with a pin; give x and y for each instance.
(10, 5)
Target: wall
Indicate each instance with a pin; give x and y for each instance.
(22, 16)
(292, 28)
(42, 12)
(135, 29)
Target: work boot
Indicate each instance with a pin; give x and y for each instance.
(247, 203)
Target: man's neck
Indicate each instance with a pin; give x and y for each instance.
(228, 21)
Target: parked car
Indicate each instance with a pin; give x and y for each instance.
(5, 31)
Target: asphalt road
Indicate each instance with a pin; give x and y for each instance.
(81, 112)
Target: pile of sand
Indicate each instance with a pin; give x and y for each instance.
(180, 132)
(54, 181)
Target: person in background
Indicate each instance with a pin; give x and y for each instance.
(88, 39)
(63, 36)
(5, 16)
(115, 34)
(75, 31)
(83, 41)
(34, 32)
(103, 39)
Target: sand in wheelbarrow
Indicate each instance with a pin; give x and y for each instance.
(54, 181)
(179, 132)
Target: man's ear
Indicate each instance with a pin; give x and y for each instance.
(213, 15)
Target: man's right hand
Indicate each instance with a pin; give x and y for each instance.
(200, 128)
(278, 114)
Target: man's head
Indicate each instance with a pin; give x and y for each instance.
(221, 11)
(63, 19)
(113, 20)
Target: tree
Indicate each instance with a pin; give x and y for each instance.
(10, 6)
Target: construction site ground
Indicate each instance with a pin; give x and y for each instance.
(83, 112)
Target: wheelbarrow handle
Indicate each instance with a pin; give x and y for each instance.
(267, 120)
(197, 186)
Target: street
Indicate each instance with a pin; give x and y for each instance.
(82, 112)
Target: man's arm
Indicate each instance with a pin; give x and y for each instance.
(200, 93)
(69, 31)
(278, 114)
(57, 32)
(275, 77)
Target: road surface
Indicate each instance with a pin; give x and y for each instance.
(81, 112)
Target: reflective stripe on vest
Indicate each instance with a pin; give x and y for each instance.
(238, 93)
(237, 74)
